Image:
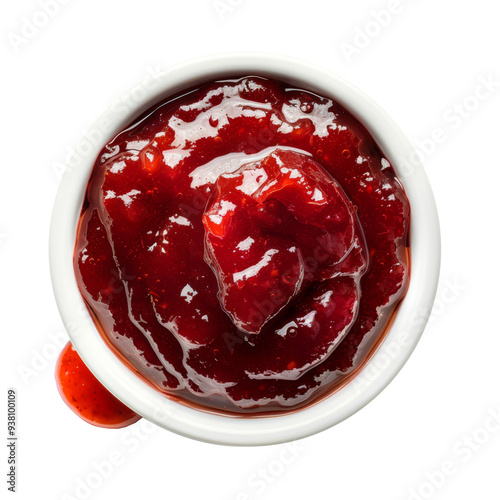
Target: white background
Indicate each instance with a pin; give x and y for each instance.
(424, 67)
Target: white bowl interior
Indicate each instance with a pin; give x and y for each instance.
(392, 352)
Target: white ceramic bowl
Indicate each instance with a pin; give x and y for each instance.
(392, 352)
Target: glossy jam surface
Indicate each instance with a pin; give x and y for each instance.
(85, 395)
(243, 246)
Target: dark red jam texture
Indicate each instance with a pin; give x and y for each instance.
(85, 395)
(243, 246)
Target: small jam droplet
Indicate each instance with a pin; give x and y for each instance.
(152, 192)
(150, 158)
(306, 107)
(86, 396)
(346, 153)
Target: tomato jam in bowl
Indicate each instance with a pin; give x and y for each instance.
(231, 249)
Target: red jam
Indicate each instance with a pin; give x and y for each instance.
(85, 395)
(243, 246)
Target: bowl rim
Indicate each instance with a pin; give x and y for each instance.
(393, 351)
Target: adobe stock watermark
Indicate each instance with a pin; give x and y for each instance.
(449, 291)
(387, 354)
(100, 471)
(462, 451)
(366, 32)
(32, 25)
(452, 119)
(267, 475)
(223, 7)
(447, 294)
(101, 132)
(41, 358)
